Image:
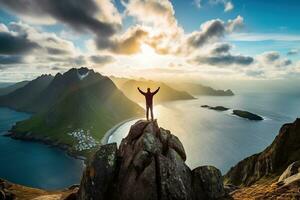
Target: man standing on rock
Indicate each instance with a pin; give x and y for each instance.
(149, 101)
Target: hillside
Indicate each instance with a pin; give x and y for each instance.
(22, 98)
(199, 89)
(75, 110)
(11, 88)
(166, 93)
(271, 162)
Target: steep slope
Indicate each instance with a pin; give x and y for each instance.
(22, 98)
(11, 88)
(82, 106)
(199, 89)
(166, 93)
(271, 162)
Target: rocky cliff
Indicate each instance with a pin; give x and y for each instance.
(149, 165)
(271, 162)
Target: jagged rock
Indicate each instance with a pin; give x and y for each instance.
(208, 183)
(2, 195)
(97, 180)
(291, 174)
(229, 188)
(272, 161)
(149, 165)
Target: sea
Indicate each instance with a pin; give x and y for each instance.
(34, 164)
(219, 138)
(209, 137)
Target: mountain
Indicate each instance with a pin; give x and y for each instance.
(198, 89)
(166, 93)
(22, 98)
(75, 110)
(271, 162)
(11, 88)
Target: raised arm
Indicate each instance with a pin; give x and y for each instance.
(143, 93)
(156, 91)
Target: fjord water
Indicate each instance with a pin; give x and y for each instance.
(34, 164)
(220, 138)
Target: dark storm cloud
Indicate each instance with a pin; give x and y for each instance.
(78, 14)
(11, 44)
(6, 60)
(227, 59)
(101, 59)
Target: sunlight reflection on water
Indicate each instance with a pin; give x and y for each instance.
(219, 138)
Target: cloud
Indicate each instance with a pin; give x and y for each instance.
(209, 31)
(223, 60)
(10, 59)
(293, 52)
(221, 48)
(156, 12)
(272, 59)
(128, 43)
(101, 59)
(235, 24)
(198, 3)
(15, 44)
(228, 5)
(83, 16)
(263, 37)
(212, 31)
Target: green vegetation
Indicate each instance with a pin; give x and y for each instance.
(69, 104)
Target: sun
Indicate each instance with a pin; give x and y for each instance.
(147, 55)
(147, 50)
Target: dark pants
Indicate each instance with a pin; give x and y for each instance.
(149, 107)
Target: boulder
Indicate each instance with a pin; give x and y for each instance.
(149, 165)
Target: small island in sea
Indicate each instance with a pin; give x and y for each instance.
(239, 113)
(217, 108)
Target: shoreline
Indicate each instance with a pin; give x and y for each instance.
(110, 132)
(64, 147)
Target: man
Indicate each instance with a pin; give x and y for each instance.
(149, 101)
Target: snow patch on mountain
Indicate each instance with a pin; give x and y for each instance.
(82, 76)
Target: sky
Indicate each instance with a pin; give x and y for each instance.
(229, 40)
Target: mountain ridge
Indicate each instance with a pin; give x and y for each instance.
(77, 101)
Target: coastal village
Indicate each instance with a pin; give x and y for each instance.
(84, 140)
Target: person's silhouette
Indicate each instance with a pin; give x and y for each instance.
(149, 101)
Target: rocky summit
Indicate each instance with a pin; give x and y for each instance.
(148, 165)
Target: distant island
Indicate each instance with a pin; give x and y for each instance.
(217, 108)
(240, 113)
(199, 89)
(247, 115)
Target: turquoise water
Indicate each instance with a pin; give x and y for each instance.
(219, 138)
(34, 164)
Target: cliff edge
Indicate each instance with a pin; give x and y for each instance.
(149, 165)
